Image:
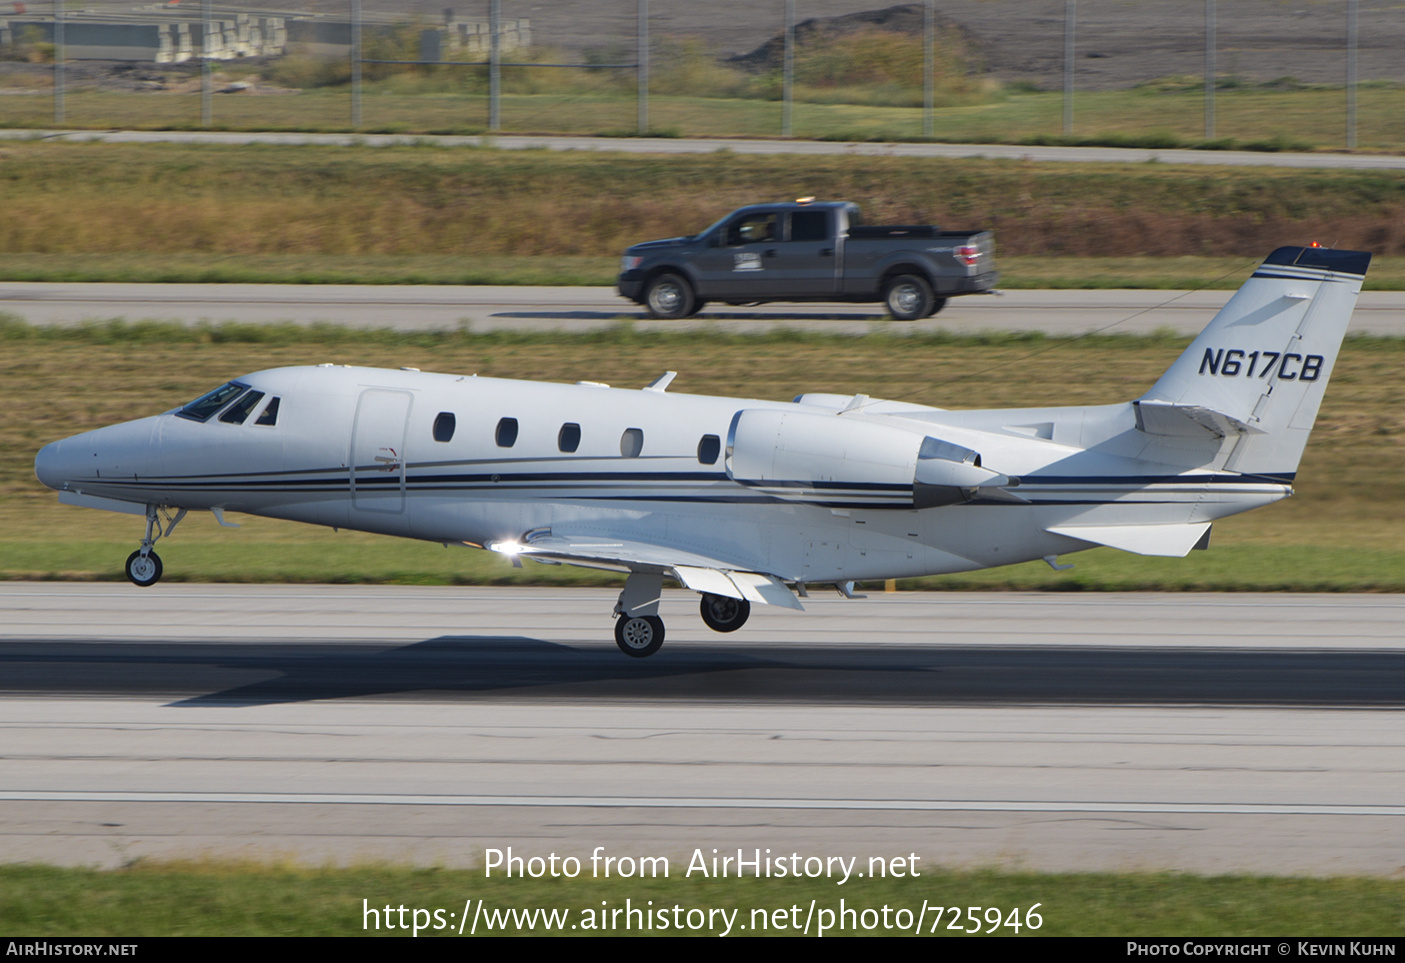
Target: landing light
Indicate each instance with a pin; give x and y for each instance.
(506, 548)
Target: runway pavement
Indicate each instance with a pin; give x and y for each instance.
(580, 309)
(1207, 733)
(708, 145)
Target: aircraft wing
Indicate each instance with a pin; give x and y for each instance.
(697, 572)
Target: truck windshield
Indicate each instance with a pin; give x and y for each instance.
(714, 226)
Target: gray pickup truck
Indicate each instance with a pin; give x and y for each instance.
(807, 251)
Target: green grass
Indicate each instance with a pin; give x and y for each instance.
(1262, 118)
(217, 899)
(335, 212)
(1343, 530)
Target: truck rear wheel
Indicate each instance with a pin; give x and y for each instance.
(937, 305)
(669, 296)
(908, 297)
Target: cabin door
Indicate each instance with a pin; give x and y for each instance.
(378, 450)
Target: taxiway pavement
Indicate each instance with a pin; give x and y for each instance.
(707, 145)
(582, 309)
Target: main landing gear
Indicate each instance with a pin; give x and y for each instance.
(639, 636)
(723, 614)
(144, 565)
(639, 630)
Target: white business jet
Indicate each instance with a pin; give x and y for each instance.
(744, 501)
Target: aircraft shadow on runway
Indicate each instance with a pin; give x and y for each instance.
(477, 668)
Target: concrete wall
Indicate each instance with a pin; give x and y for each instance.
(167, 41)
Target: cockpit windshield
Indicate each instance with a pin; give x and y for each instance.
(237, 413)
(207, 404)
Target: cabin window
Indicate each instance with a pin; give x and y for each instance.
(753, 229)
(270, 414)
(444, 426)
(809, 226)
(708, 449)
(238, 413)
(569, 438)
(207, 404)
(632, 442)
(507, 433)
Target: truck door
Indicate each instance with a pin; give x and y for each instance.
(804, 263)
(743, 267)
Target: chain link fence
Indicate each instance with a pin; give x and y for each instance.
(1314, 73)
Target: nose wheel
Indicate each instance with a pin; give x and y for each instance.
(144, 565)
(143, 568)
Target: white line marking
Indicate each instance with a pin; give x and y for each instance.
(694, 802)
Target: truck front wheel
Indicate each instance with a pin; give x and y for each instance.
(669, 296)
(908, 297)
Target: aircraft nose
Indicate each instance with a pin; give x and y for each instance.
(49, 465)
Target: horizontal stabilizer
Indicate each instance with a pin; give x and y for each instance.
(1187, 421)
(1172, 541)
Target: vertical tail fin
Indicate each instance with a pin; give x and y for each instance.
(1264, 361)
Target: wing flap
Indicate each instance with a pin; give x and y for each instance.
(1170, 541)
(697, 572)
(765, 589)
(707, 580)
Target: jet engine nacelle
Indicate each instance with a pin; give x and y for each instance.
(844, 459)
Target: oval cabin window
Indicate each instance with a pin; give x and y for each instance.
(444, 426)
(507, 433)
(632, 442)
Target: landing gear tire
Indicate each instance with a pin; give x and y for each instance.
(937, 305)
(639, 636)
(142, 569)
(908, 297)
(669, 296)
(723, 614)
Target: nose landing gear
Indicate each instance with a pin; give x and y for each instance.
(144, 566)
